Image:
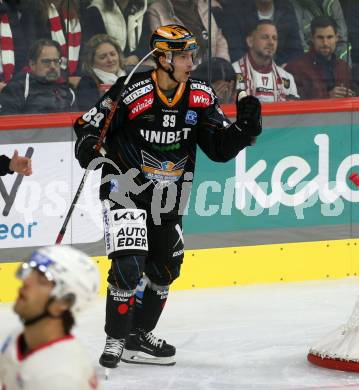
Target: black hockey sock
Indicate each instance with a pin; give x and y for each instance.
(119, 312)
(148, 310)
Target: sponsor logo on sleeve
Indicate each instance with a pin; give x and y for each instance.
(202, 87)
(137, 93)
(138, 84)
(140, 105)
(200, 99)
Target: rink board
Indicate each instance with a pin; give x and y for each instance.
(218, 267)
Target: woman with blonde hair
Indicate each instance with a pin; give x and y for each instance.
(102, 66)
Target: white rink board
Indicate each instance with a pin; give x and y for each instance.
(43, 199)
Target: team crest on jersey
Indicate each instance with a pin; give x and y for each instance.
(107, 103)
(191, 117)
(286, 83)
(240, 78)
(161, 173)
(140, 105)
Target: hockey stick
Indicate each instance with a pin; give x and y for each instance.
(62, 231)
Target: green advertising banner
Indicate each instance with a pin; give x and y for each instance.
(294, 177)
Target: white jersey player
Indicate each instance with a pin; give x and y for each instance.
(58, 281)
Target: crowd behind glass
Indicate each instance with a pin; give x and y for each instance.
(62, 55)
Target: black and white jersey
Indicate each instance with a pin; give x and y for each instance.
(158, 136)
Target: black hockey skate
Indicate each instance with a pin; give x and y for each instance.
(145, 348)
(111, 355)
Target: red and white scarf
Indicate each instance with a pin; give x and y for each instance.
(73, 36)
(7, 56)
(247, 82)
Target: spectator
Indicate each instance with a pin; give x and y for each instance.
(257, 73)
(14, 42)
(41, 89)
(223, 78)
(103, 65)
(319, 74)
(57, 283)
(241, 15)
(121, 19)
(57, 20)
(307, 10)
(16, 164)
(194, 15)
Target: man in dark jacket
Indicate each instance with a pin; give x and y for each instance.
(41, 89)
(242, 15)
(16, 164)
(319, 74)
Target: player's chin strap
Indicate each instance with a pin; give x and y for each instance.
(170, 71)
(44, 314)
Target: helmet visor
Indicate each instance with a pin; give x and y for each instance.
(38, 262)
(193, 54)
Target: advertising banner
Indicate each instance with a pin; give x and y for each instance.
(293, 177)
(32, 210)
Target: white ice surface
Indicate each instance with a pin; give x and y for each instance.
(246, 337)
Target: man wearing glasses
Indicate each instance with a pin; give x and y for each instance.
(41, 87)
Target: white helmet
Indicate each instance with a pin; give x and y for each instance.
(74, 273)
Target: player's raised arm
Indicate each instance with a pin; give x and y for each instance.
(220, 139)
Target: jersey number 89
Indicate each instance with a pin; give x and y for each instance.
(169, 120)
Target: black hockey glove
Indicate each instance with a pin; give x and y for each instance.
(249, 117)
(85, 150)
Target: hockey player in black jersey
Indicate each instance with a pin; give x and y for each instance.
(150, 153)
